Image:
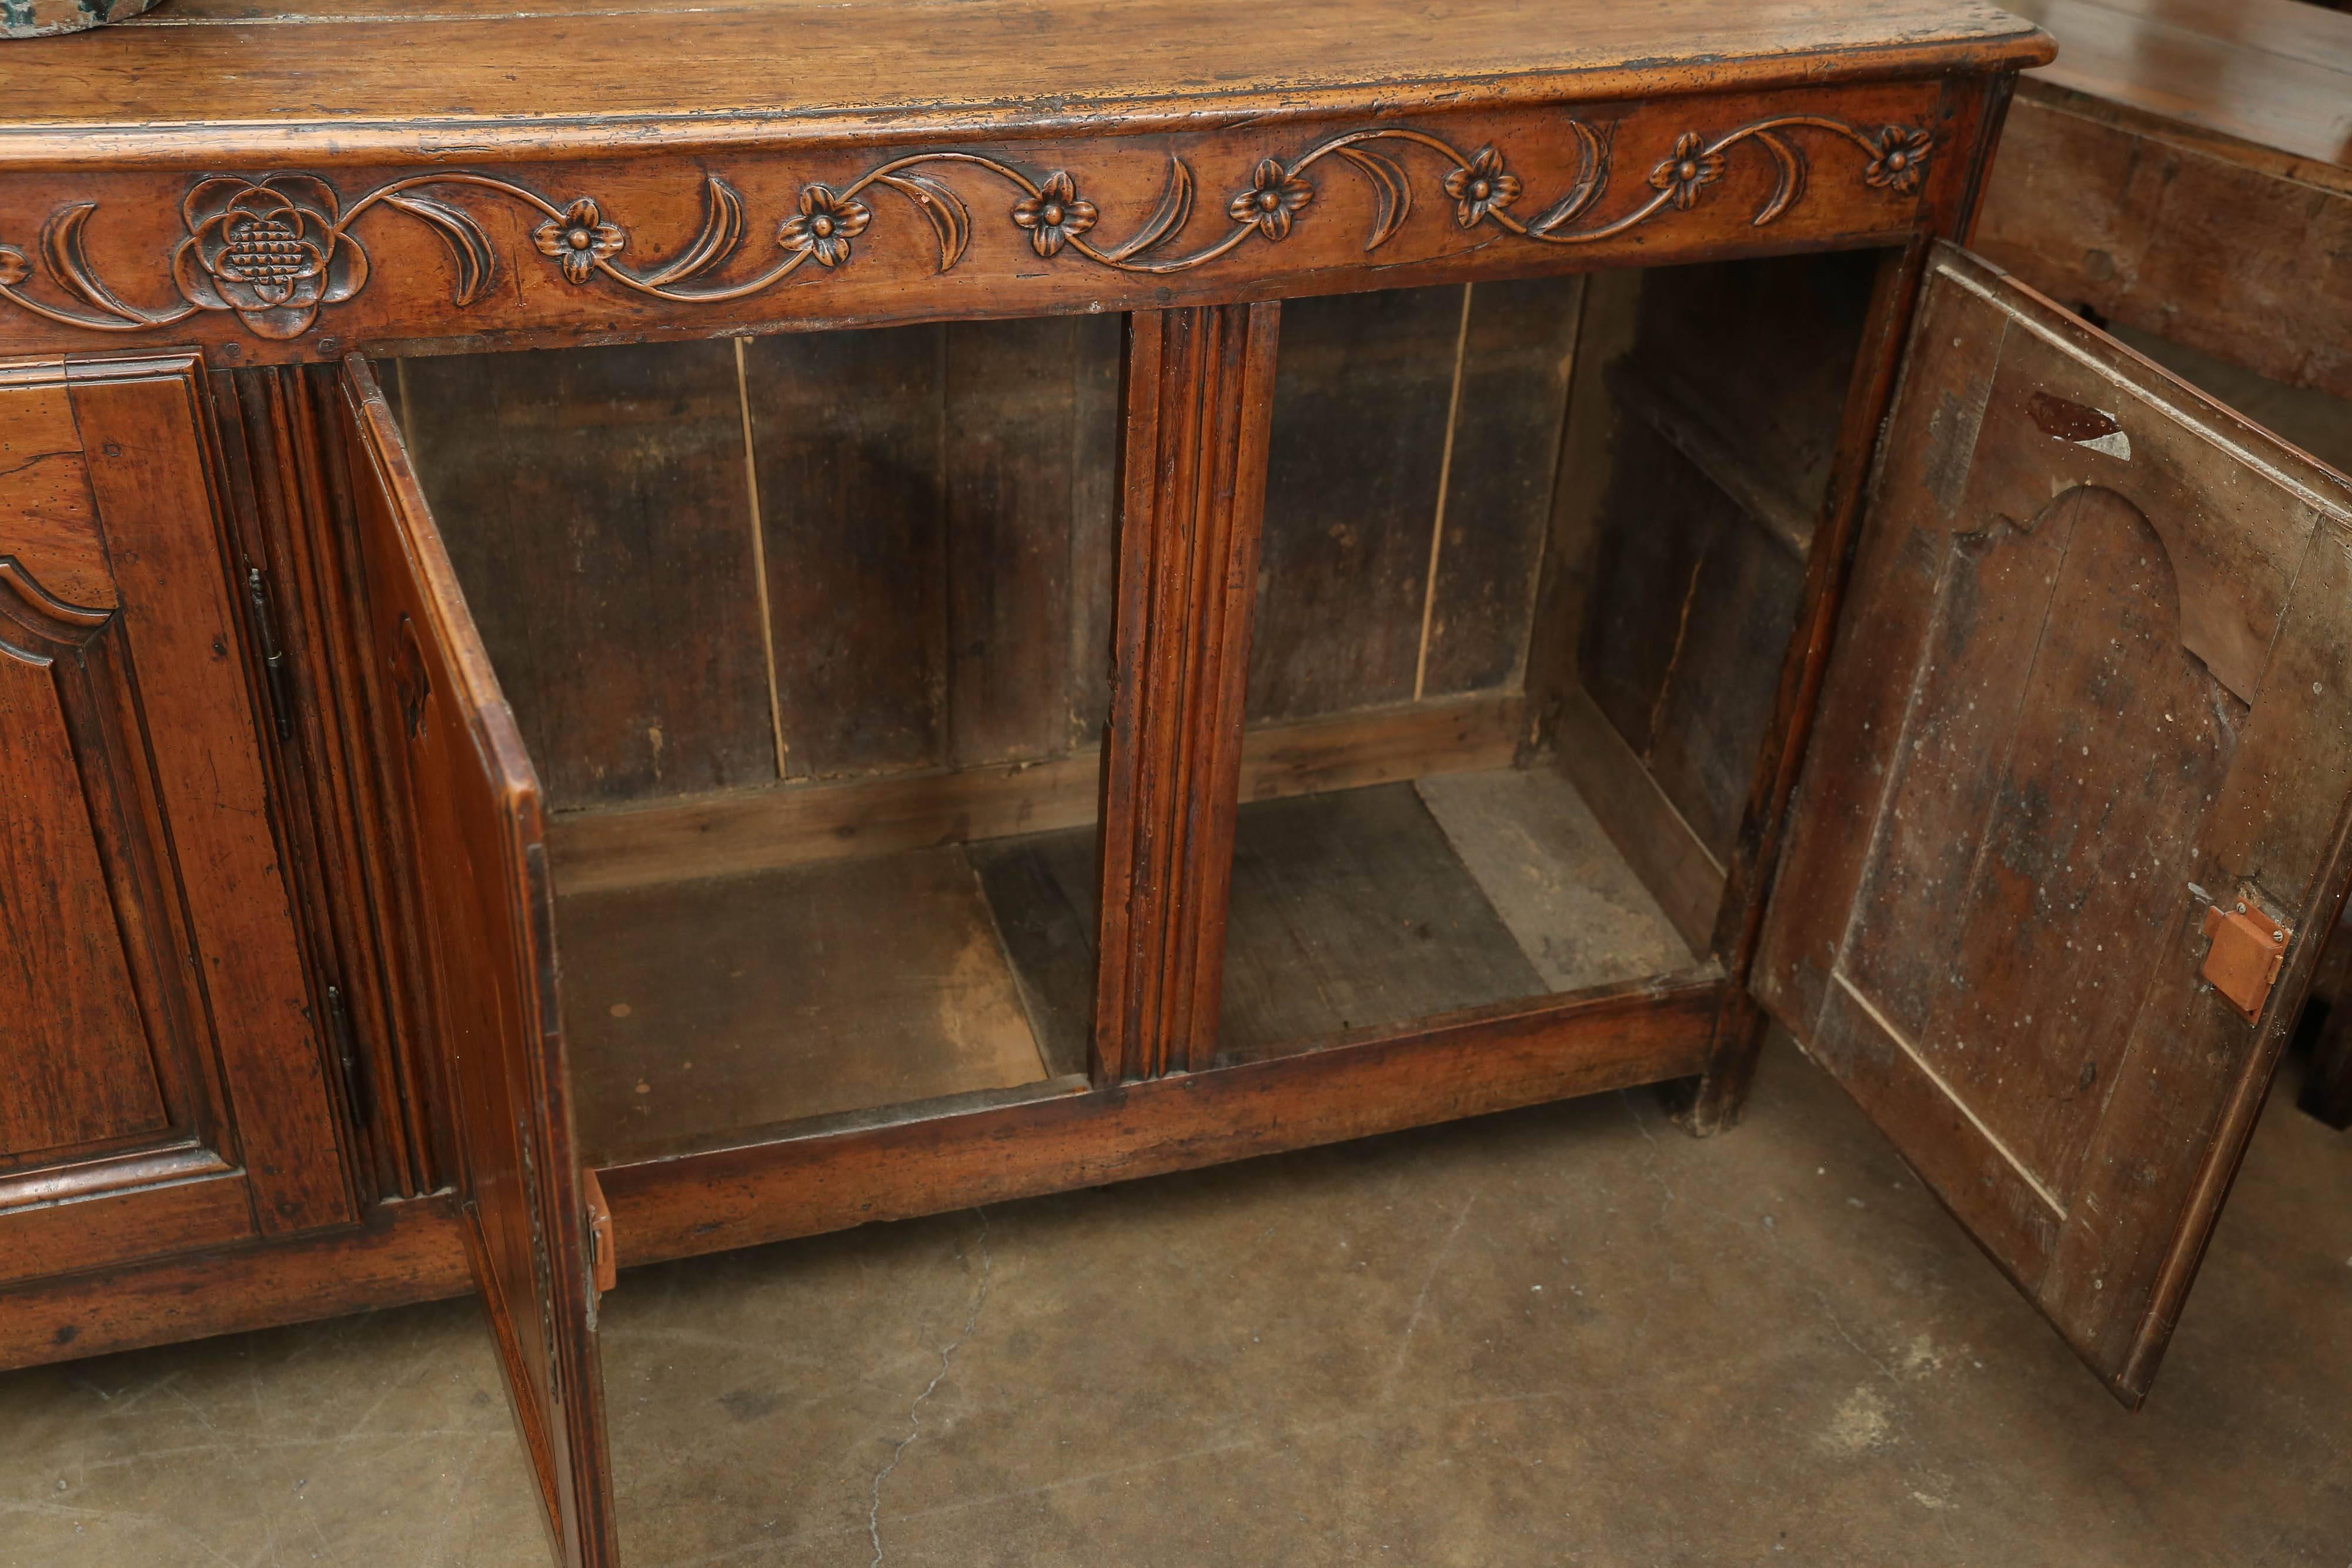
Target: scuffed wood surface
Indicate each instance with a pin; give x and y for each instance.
(2203, 244)
(2092, 631)
(700, 1010)
(567, 72)
(2275, 74)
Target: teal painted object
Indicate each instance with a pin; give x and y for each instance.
(38, 18)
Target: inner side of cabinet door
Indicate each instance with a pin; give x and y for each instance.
(2071, 823)
(467, 809)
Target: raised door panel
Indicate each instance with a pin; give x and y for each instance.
(469, 811)
(166, 1087)
(75, 1051)
(2087, 704)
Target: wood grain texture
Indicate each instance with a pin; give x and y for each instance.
(1012, 484)
(1762, 356)
(765, 830)
(404, 1252)
(1986, 930)
(76, 1053)
(594, 502)
(936, 507)
(1519, 351)
(145, 429)
(167, 1094)
(185, 1204)
(848, 431)
(1613, 1039)
(1353, 911)
(1668, 855)
(2271, 74)
(466, 786)
(45, 489)
(548, 79)
(280, 481)
(1041, 890)
(1713, 1102)
(425, 256)
(700, 1010)
(1575, 905)
(1362, 398)
(2208, 243)
(1199, 389)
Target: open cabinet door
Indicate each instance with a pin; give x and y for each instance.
(475, 831)
(2072, 826)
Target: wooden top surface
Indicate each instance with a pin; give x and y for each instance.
(2276, 73)
(460, 75)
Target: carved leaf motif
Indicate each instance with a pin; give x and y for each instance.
(471, 259)
(69, 262)
(723, 231)
(950, 219)
(1791, 164)
(1175, 207)
(1394, 189)
(1591, 178)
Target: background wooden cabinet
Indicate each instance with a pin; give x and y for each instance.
(165, 1085)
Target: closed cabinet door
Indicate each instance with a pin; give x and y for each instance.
(2075, 812)
(162, 1087)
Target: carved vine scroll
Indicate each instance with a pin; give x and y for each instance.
(278, 248)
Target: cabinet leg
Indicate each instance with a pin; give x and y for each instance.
(1198, 395)
(1711, 1103)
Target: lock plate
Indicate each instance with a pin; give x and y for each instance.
(2248, 952)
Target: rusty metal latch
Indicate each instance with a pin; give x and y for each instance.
(604, 1257)
(2249, 949)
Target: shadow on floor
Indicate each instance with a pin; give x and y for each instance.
(1565, 1335)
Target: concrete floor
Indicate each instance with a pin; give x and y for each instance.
(1567, 1335)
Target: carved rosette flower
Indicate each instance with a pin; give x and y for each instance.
(1691, 167)
(272, 250)
(1902, 159)
(825, 226)
(14, 266)
(1480, 187)
(578, 239)
(1055, 216)
(1275, 194)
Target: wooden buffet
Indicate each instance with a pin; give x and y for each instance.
(1070, 594)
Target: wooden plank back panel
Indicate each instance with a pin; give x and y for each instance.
(1011, 457)
(1518, 351)
(595, 503)
(2073, 703)
(848, 429)
(1362, 398)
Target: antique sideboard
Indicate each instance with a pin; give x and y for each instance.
(1069, 593)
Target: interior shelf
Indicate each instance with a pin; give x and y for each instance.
(697, 1009)
(706, 1008)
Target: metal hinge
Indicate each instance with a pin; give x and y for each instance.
(274, 668)
(346, 1053)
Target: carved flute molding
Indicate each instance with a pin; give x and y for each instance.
(275, 249)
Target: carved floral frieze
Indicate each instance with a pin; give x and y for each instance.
(277, 249)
